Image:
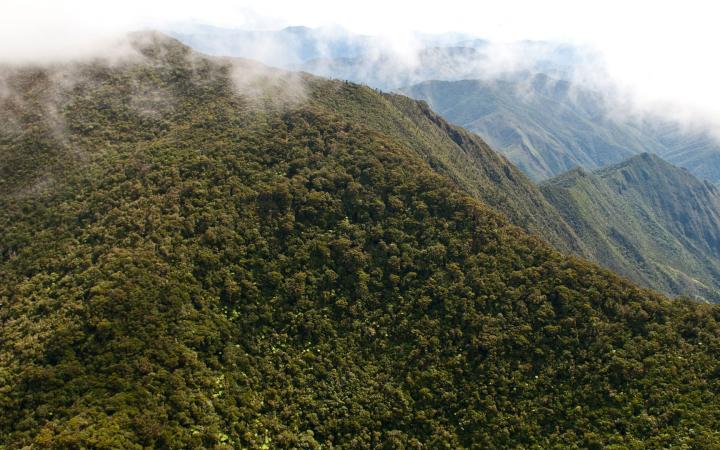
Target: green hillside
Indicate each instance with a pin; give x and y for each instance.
(647, 219)
(204, 253)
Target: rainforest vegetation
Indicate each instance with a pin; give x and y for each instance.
(199, 252)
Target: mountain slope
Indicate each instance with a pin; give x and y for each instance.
(548, 126)
(190, 264)
(647, 219)
(469, 161)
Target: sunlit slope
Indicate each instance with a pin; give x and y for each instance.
(202, 253)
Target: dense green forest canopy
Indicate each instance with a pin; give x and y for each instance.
(204, 253)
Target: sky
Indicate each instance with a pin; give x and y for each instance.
(665, 52)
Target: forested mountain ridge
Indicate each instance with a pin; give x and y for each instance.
(195, 257)
(476, 168)
(647, 219)
(533, 121)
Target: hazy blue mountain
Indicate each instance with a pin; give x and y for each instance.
(539, 123)
(548, 126)
(477, 59)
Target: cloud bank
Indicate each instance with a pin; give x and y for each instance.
(661, 52)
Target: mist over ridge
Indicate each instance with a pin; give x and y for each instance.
(572, 80)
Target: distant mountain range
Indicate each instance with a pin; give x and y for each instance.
(374, 60)
(486, 61)
(548, 126)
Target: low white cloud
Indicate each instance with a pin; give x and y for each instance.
(660, 52)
